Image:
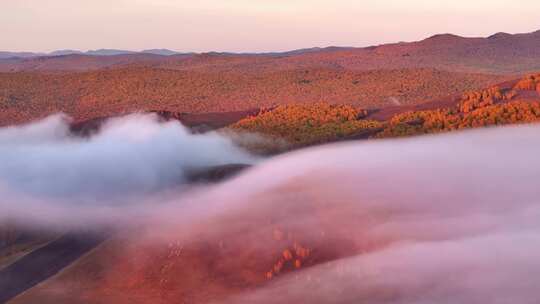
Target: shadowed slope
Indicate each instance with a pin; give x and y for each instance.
(44, 263)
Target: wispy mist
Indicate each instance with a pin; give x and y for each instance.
(445, 219)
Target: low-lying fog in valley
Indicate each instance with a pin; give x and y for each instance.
(46, 172)
(435, 219)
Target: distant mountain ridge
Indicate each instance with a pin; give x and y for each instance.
(446, 37)
(500, 53)
(6, 55)
(99, 52)
(161, 52)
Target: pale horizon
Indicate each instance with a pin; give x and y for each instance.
(243, 26)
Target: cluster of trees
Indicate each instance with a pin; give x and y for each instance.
(479, 99)
(291, 258)
(529, 83)
(493, 106)
(445, 120)
(302, 125)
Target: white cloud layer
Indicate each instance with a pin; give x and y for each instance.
(436, 219)
(42, 165)
(445, 219)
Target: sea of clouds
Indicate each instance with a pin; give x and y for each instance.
(435, 219)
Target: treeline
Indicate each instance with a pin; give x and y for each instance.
(308, 124)
(302, 125)
(490, 107)
(446, 120)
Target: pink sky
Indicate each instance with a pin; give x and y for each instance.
(250, 25)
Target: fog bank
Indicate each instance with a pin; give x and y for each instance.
(436, 219)
(45, 168)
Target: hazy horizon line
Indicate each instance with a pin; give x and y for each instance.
(83, 51)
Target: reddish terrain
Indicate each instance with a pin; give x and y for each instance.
(87, 95)
(89, 87)
(163, 267)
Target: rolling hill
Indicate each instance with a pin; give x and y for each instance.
(379, 77)
(85, 95)
(500, 53)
